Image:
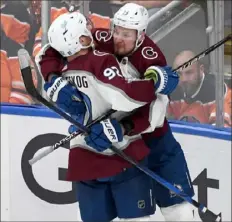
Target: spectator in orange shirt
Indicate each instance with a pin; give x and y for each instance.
(194, 98)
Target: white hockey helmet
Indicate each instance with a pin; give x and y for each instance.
(65, 32)
(132, 16)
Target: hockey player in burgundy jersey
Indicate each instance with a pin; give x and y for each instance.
(91, 84)
(143, 60)
(140, 60)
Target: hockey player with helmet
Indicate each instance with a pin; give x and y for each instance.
(146, 60)
(98, 84)
(58, 8)
(166, 158)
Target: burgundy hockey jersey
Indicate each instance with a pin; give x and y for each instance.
(99, 77)
(148, 54)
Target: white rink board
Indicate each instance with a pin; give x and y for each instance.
(209, 161)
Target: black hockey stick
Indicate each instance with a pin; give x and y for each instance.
(28, 81)
(203, 53)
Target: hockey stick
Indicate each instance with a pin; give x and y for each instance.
(203, 54)
(74, 134)
(203, 209)
(28, 81)
(66, 139)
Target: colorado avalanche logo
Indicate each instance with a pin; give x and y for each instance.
(99, 53)
(149, 53)
(103, 36)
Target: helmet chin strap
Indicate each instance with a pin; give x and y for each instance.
(91, 45)
(139, 36)
(138, 42)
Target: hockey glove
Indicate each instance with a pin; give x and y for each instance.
(103, 134)
(165, 79)
(66, 96)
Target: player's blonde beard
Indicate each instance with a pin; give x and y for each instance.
(137, 42)
(119, 46)
(128, 53)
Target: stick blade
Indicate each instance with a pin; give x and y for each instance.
(25, 67)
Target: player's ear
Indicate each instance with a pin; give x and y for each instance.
(83, 40)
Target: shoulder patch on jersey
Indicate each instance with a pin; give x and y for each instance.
(103, 36)
(149, 53)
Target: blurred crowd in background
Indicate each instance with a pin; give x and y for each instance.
(180, 33)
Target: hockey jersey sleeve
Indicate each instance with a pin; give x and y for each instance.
(48, 60)
(151, 116)
(124, 95)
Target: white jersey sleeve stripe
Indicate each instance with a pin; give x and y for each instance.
(157, 113)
